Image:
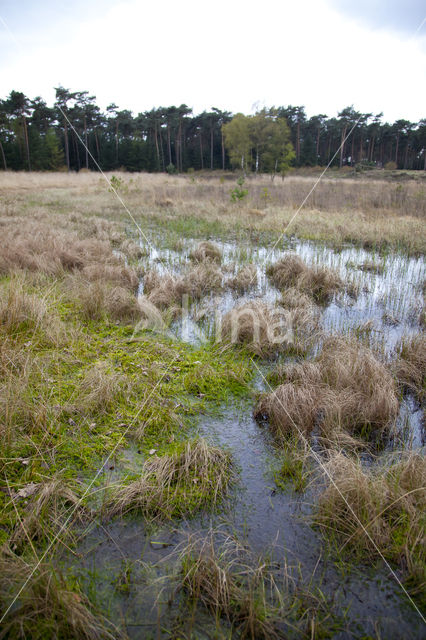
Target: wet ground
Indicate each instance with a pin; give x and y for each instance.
(120, 557)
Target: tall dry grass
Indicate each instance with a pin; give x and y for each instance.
(344, 390)
(195, 475)
(376, 511)
(372, 213)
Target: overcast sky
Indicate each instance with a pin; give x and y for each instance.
(230, 54)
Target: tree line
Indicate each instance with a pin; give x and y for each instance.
(34, 136)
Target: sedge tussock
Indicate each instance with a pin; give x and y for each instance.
(289, 409)
(131, 250)
(321, 283)
(49, 504)
(386, 512)
(410, 366)
(266, 330)
(115, 275)
(206, 251)
(261, 328)
(244, 279)
(344, 389)
(371, 267)
(292, 298)
(97, 300)
(21, 311)
(166, 290)
(255, 596)
(202, 279)
(99, 388)
(47, 607)
(195, 476)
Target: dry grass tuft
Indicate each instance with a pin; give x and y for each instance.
(255, 596)
(244, 279)
(97, 300)
(202, 279)
(321, 283)
(167, 290)
(291, 410)
(345, 389)
(21, 311)
(266, 330)
(410, 366)
(206, 251)
(262, 329)
(371, 267)
(48, 505)
(115, 275)
(47, 607)
(163, 290)
(99, 388)
(386, 514)
(178, 484)
(292, 298)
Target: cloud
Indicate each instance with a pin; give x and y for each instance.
(404, 17)
(227, 54)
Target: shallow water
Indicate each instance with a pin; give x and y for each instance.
(268, 520)
(386, 309)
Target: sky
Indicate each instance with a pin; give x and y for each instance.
(236, 55)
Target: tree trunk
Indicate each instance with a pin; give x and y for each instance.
(5, 165)
(163, 162)
(97, 147)
(77, 155)
(169, 144)
(318, 141)
(211, 148)
(396, 150)
(156, 146)
(85, 142)
(201, 150)
(406, 155)
(223, 151)
(342, 146)
(372, 148)
(298, 142)
(67, 147)
(27, 146)
(116, 143)
(352, 148)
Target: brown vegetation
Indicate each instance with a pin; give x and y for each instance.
(410, 366)
(47, 607)
(320, 283)
(181, 483)
(206, 251)
(344, 389)
(244, 278)
(261, 328)
(378, 511)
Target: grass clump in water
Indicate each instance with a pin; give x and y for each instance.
(321, 283)
(206, 251)
(48, 606)
(410, 366)
(196, 475)
(378, 511)
(251, 594)
(345, 391)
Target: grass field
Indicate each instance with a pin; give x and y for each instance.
(212, 410)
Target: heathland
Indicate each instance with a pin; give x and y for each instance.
(211, 396)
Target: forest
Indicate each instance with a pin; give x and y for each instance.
(36, 137)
